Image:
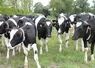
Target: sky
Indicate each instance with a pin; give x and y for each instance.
(46, 2)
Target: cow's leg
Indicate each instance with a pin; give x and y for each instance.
(46, 42)
(34, 46)
(13, 53)
(85, 50)
(2, 40)
(26, 54)
(41, 45)
(76, 45)
(92, 49)
(60, 41)
(67, 37)
(8, 50)
(82, 45)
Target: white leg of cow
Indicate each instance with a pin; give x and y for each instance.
(34, 46)
(76, 45)
(67, 37)
(13, 53)
(82, 45)
(46, 42)
(26, 54)
(41, 45)
(92, 57)
(60, 41)
(19, 48)
(85, 56)
(2, 40)
(8, 50)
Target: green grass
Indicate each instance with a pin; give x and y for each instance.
(68, 58)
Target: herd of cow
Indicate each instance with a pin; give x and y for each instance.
(21, 30)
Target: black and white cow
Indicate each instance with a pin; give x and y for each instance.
(44, 28)
(3, 19)
(5, 26)
(83, 16)
(27, 35)
(86, 31)
(62, 25)
(72, 19)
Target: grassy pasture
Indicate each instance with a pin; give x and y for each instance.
(68, 58)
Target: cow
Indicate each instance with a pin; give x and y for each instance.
(83, 16)
(43, 28)
(3, 19)
(62, 25)
(72, 19)
(86, 31)
(26, 35)
(5, 25)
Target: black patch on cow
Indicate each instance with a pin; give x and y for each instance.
(36, 52)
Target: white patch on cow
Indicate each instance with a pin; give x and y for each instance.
(12, 33)
(13, 21)
(85, 22)
(48, 23)
(1, 22)
(91, 14)
(92, 57)
(59, 31)
(28, 23)
(15, 16)
(78, 24)
(23, 17)
(62, 14)
(61, 20)
(72, 18)
(38, 19)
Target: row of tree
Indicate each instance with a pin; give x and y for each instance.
(55, 6)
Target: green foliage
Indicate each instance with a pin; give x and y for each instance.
(11, 11)
(38, 7)
(59, 6)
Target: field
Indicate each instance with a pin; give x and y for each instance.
(68, 58)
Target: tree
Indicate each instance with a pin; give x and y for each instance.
(59, 6)
(81, 6)
(38, 7)
(45, 11)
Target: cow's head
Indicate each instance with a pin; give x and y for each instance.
(22, 21)
(81, 28)
(49, 28)
(3, 25)
(16, 37)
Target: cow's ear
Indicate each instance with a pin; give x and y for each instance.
(8, 29)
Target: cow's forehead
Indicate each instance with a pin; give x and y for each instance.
(72, 18)
(48, 23)
(12, 33)
(78, 24)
